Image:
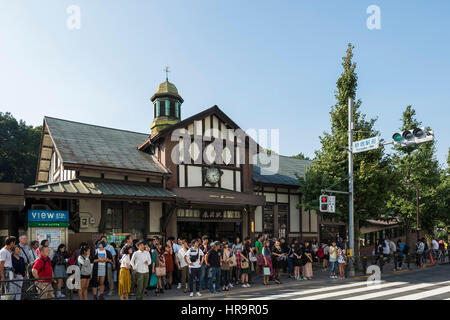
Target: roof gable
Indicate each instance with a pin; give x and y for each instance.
(85, 144)
(285, 174)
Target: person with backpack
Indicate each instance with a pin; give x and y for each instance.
(59, 268)
(194, 258)
(42, 268)
(84, 263)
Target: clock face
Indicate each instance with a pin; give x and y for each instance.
(213, 175)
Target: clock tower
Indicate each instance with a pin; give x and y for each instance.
(166, 106)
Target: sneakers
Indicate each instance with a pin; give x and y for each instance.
(211, 292)
(244, 286)
(248, 285)
(191, 294)
(219, 291)
(199, 294)
(179, 285)
(110, 293)
(231, 286)
(59, 294)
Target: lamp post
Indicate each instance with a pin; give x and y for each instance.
(417, 206)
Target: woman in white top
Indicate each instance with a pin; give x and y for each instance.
(124, 273)
(86, 272)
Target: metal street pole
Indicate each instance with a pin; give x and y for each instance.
(351, 230)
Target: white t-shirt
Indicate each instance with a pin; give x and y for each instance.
(101, 254)
(435, 244)
(5, 255)
(125, 259)
(180, 254)
(386, 249)
(192, 253)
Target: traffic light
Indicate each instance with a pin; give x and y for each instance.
(323, 203)
(411, 137)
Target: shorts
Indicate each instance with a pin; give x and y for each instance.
(84, 276)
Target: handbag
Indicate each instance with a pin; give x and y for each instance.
(225, 266)
(153, 281)
(266, 271)
(244, 264)
(252, 257)
(233, 262)
(160, 271)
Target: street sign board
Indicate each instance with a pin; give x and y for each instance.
(331, 204)
(366, 144)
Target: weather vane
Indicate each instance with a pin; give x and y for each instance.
(166, 69)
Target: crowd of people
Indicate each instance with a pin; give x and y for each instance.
(136, 267)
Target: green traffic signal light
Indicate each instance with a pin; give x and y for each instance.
(397, 137)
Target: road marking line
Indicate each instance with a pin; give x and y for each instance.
(390, 292)
(297, 293)
(426, 294)
(345, 292)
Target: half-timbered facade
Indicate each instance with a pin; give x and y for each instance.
(186, 178)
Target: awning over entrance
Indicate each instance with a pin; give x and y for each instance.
(219, 197)
(100, 188)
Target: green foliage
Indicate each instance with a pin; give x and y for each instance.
(372, 171)
(19, 150)
(416, 167)
(301, 156)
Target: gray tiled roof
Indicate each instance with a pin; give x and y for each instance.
(103, 187)
(284, 174)
(81, 143)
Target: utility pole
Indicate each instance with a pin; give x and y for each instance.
(351, 231)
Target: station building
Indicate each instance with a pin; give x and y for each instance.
(169, 182)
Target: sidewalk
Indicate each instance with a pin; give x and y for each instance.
(320, 276)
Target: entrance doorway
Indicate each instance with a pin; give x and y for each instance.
(214, 230)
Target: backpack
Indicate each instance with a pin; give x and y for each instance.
(31, 273)
(74, 259)
(320, 253)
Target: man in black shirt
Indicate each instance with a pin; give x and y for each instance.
(213, 263)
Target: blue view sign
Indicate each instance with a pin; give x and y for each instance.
(366, 144)
(48, 216)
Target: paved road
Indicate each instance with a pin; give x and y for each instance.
(417, 283)
(429, 284)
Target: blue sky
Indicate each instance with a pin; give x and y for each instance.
(266, 63)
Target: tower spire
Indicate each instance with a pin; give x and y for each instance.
(166, 69)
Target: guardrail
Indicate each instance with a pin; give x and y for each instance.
(29, 289)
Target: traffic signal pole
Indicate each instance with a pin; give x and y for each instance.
(351, 231)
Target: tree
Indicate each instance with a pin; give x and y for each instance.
(301, 156)
(330, 165)
(417, 171)
(19, 150)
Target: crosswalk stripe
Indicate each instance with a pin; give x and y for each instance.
(310, 291)
(425, 294)
(391, 292)
(350, 291)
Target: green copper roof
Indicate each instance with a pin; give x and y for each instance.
(284, 170)
(80, 143)
(166, 89)
(97, 187)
